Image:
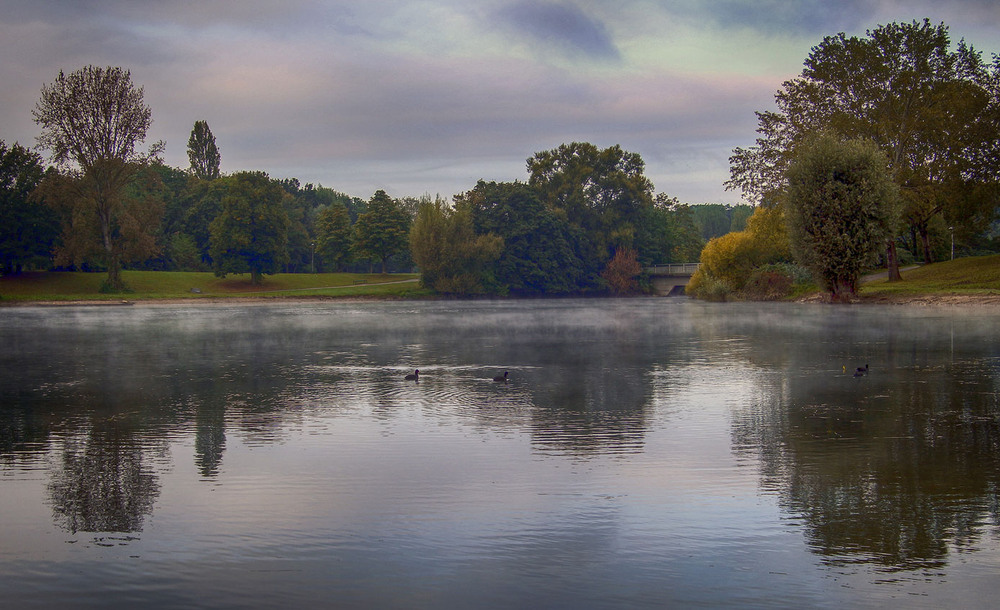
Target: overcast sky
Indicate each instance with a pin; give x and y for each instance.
(431, 96)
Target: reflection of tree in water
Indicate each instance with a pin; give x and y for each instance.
(23, 437)
(593, 400)
(209, 438)
(898, 469)
(103, 484)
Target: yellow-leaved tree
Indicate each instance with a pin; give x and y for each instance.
(727, 262)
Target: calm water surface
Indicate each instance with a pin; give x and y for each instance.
(645, 453)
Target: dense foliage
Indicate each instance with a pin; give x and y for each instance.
(92, 121)
(250, 234)
(453, 258)
(382, 231)
(729, 262)
(28, 228)
(841, 206)
(931, 109)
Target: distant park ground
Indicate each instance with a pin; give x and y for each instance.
(973, 279)
(171, 285)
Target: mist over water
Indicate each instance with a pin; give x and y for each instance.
(644, 453)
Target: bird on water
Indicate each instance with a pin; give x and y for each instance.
(502, 378)
(414, 376)
(861, 371)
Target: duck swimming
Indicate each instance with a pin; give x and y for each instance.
(414, 376)
(502, 378)
(861, 371)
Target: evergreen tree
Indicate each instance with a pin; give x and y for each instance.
(383, 231)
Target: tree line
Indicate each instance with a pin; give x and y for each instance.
(882, 148)
(883, 142)
(585, 220)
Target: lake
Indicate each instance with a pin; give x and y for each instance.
(644, 453)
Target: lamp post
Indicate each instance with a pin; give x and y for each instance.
(952, 229)
(312, 257)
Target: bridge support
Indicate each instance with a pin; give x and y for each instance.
(669, 286)
(670, 280)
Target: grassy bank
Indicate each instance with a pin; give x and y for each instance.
(152, 285)
(973, 276)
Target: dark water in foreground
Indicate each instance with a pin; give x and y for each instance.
(645, 453)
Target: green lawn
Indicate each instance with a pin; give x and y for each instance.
(973, 275)
(66, 286)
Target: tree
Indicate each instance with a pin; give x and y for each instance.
(667, 233)
(451, 256)
(250, 234)
(600, 191)
(728, 261)
(333, 235)
(203, 153)
(28, 228)
(540, 249)
(92, 121)
(383, 231)
(183, 252)
(622, 271)
(933, 111)
(201, 203)
(841, 206)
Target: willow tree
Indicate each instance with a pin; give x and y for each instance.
(841, 205)
(92, 122)
(452, 257)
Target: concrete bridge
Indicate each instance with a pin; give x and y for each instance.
(671, 279)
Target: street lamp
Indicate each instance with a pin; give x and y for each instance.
(952, 229)
(312, 257)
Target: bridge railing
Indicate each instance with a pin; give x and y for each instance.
(673, 269)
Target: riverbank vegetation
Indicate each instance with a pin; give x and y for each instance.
(924, 113)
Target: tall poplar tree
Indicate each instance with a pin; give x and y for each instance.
(203, 153)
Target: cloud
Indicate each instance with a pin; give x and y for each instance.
(819, 17)
(432, 95)
(560, 26)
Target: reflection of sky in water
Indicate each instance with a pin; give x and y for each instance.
(643, 452)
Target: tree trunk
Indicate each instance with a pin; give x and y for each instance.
(843, 291)
(256, 278)
(385, 263)
(925, 242)
(892, 262)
